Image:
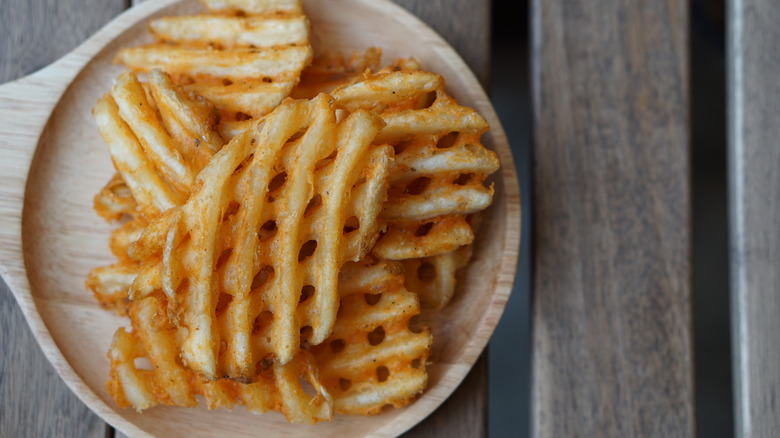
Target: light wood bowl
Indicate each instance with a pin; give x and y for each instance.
(52, 162)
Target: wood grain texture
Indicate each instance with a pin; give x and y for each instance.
(35, 400)
(59, 239)
(35, 33)
(464, 414)
(754, 183)
(465, 24)
(612, 341)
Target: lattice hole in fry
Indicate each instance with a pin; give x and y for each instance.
(351, 224)
(306, 293)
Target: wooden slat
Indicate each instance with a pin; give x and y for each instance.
(464, 413)
(754, 178)
(612, 341)
(465, 24)
(35, 401)
(35, 33)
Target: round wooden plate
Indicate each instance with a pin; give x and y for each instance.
(53, 161)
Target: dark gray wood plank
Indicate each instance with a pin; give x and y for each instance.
(465, 24)
(754, 183)
(612, 340)
(35, 401)
(464, 414)
(36, 33)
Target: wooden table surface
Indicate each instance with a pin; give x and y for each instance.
(35, 402)
(612, 318)
(612, 324)
(754, 180)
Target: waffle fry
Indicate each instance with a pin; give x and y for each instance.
(166, 381)
(440, 167)
(373, 358)
(254, 6)
(245, 63)
(232, 31)
(110, 284)
(437, 179)
(149, 159)
(115, 200)
(307, 231)
(433, 278)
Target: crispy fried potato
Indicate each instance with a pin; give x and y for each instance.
(439, 173)
(255, 6)
(245, 63)
(299, 251)
(142, 119)
(109, 284)
(157, 149)
(115, 200)
(226, 31)
(373, 358)
(138, 170)
(166, 381)
(244, 99)
(324, 185)
(329, 71)
(433, 278)
(237, 64)
(189, 118)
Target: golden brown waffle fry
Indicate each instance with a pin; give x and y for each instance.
(189, 119)
(110, 283)
(124, 236)
(373, 358)
(166, 381)
(115, 200)
(255, 6)
(245, 63)
(252, 259)
(232, 31)
(433, 278)
(157, 167)
(437, 179)
(440, 167)
(237, 64)
(237, 258)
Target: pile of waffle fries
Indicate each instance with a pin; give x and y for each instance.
(284, 215)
